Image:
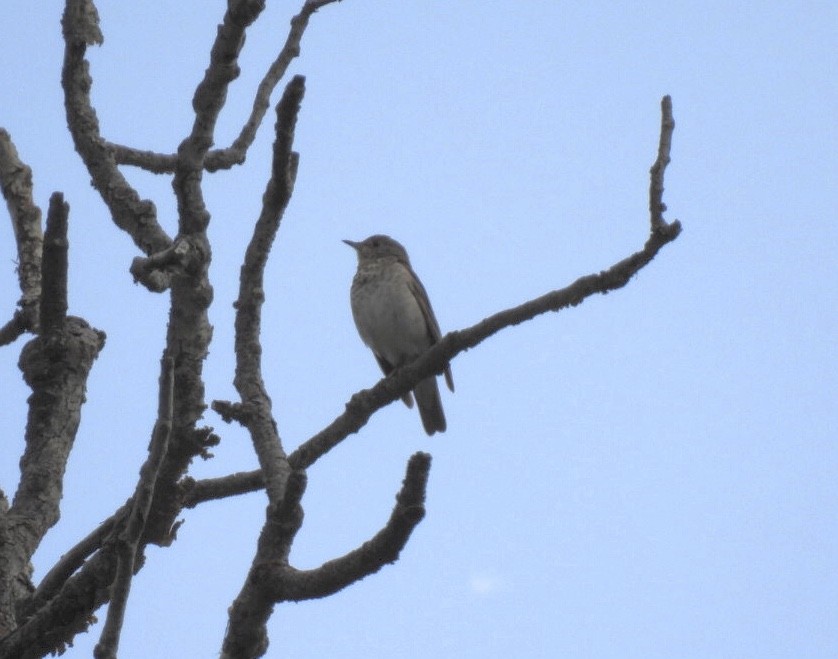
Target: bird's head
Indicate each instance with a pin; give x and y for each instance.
(378, 246)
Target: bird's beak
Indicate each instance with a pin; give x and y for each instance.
(353, 244)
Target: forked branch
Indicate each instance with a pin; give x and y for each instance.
(380, 550)
(235, 154)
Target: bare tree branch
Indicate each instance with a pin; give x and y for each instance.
(210, 489)
(17, 325)
(65, 615)
(246, 634)
(55, 364)
(235, 154)
(656, 205)
(207, 102)
(131, 214)
(16, 183)
(12, 589)
(54, 269)
(256, 405)
(155, 272)
(71, 561)
(271, 581)
(285, 488)
(128, 540)
(84, 17)
(380, 550)
(189, 332)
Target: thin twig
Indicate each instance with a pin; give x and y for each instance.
(71, 561)
(129, 538)
(656, 205)
(236, 153)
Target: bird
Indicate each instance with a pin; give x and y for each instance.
(394, 317)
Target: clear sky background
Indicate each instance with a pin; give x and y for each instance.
(651, 474)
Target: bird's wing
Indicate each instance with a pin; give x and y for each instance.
(418, 290)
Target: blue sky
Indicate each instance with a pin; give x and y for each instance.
(651, 474)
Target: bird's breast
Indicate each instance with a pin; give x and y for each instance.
(388, 317)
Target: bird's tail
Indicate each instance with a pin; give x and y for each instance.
(430, 406)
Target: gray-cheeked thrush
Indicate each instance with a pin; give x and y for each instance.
(395, 320)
